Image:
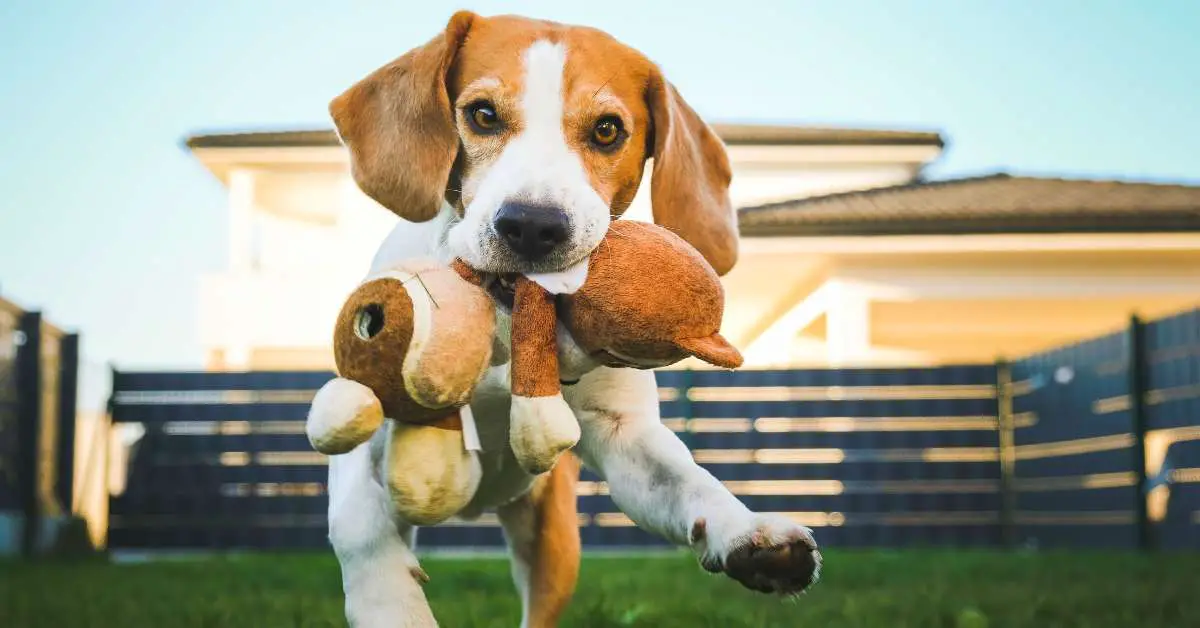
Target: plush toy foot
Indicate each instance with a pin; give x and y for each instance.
(344, 414)
(430, 476)
(540, 430)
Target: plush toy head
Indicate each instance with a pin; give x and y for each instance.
(650, 300)
(410, 344)
(413, 341)
(419, 336)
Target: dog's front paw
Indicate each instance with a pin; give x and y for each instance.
(770, 553)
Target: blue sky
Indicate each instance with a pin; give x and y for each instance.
(106, 222)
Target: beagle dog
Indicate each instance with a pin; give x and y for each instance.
(512, 143)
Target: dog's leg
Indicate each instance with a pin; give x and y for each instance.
(381, 577)
(542, 529)
(652, 478)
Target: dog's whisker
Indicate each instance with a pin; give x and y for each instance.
(604, 84)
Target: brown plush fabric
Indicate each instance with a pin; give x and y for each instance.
(650, 300)
(459, 346)
(377, 363)
(649, 296)
(468, 274)
(534, 343)
(452, 421)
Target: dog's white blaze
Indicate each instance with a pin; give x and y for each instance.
(542, 101)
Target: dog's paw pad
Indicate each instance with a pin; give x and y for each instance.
(777, 557)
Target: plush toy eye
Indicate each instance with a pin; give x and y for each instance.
(483, 118)
(368, 322)
(607, 132)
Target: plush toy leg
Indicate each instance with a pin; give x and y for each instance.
(542, 426)
(431, 475)
(540, 430)
(343, 415)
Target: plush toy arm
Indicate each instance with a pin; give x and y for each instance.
(343, 415)
(534, 343)
(470, 275)
(542, 426)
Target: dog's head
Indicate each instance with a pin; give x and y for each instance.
(537, 134)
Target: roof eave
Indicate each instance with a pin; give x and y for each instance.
(1098, 225)
(732, 135)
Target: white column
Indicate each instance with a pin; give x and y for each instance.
(848, 327)
(241, 219)
(241, 262)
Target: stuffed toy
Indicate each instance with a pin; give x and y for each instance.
(645, 298)
(410, 344)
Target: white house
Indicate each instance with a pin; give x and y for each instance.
(849, 257)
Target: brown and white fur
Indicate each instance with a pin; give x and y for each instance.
(414, 149)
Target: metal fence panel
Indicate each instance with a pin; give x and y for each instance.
(868, 457)
(1172, 408)
(1076, 480)
(872, 456)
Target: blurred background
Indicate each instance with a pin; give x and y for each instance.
(971, 262)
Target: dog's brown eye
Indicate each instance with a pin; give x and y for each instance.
(607, 131)
(483, 118)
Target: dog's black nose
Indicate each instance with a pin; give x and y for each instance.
(531, 231)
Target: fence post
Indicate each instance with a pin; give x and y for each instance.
(68, 381)
(29, 420)
(1137, 415)
(1006, 451)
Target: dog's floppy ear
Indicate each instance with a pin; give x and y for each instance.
(398, 124)
(689, 187)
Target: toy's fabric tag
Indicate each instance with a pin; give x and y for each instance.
(564, 281)
(470, 432)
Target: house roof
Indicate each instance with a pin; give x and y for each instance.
(998, 203)
(731, 134)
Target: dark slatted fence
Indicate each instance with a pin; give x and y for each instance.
(1076, 456)
(1047, 451)
(38, 375)
(1172, 437)
(1109, 455)
(872, 457)
(879, 457)
(223, 462)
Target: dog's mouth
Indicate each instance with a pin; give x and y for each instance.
(501, 287)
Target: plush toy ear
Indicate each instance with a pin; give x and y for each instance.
(398, 123)
(343, 415)
(713, 349)
(689, 187)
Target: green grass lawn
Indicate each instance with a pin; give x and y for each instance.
(923, 589)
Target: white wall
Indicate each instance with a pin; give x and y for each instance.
(313, 234)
